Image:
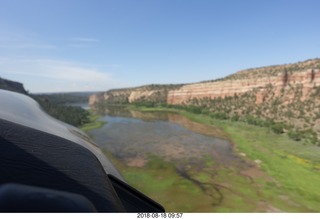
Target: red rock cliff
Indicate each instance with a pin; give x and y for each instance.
(230, 87)
(305, 74)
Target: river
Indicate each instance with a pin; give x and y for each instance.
(84, 105)
(199, 154)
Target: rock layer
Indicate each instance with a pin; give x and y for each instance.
(230, 87)
(150, 93)
(305, 74)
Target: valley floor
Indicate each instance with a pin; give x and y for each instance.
(292, 168)
(286, 180)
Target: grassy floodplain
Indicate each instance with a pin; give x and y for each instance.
(293, 168)
(93, 123)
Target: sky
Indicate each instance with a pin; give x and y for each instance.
(97, 45)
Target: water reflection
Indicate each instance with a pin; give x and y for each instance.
(135, 137)
(133, 134)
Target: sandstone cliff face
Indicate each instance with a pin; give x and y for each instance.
(306, 74)
(149, 93)
(12, 86)
(308, 78)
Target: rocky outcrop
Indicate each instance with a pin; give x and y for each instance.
(95, 98)
(306, 74)
(230, 87)
(12, 86)
(150, 93)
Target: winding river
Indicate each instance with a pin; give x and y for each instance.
(199, 154)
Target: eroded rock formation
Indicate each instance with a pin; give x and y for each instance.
(305, 74)
(229, 87)
(143, 94)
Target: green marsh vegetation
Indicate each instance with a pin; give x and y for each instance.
(93, 122)
(287, 182)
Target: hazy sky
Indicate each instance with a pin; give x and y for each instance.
(85, 45)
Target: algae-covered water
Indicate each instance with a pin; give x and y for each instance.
(186, 166)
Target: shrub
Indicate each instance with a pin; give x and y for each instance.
(277, 128)
(295, 135)
(219, 115)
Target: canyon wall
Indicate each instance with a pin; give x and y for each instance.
(184, 94)
(287, 95)
(230, 87)
(149, 93)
